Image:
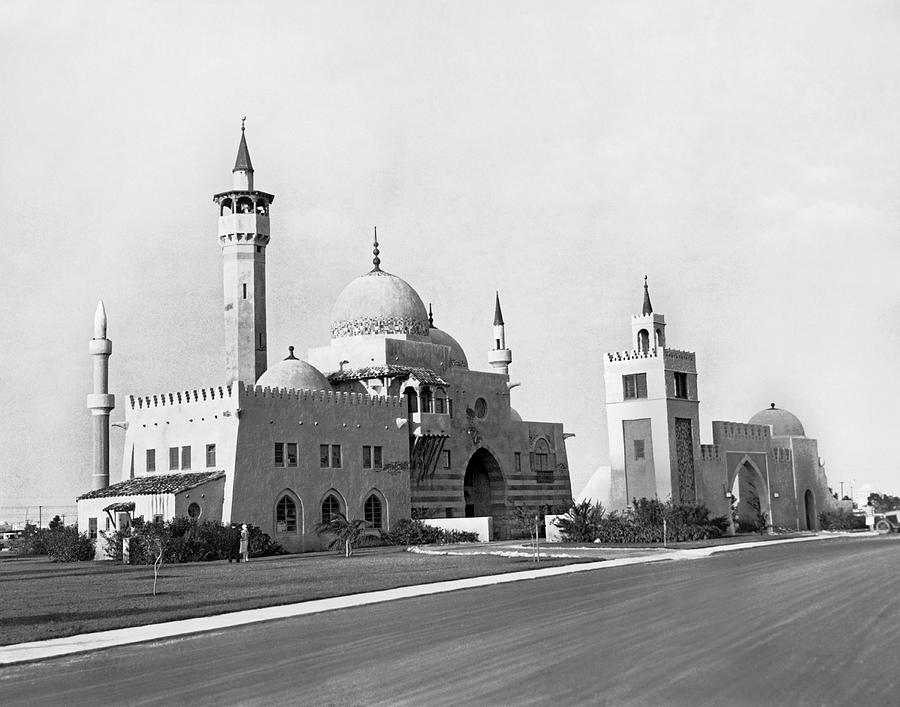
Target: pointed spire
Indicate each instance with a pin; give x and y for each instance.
(100, 321)
(430, 317)
(376, 261)
(498, 315)
(648, 308)
(243, 163)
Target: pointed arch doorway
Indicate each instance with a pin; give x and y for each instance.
(484, 489)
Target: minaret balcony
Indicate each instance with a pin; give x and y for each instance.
(231, 224)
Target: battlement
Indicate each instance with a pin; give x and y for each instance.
(631, 355)
(782, 454)
(742, 430)
(186, 397)
(709, 452)
(320, 396)
(679, 355)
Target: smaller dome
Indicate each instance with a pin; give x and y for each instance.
(457, 355)
(515, 416)
(783, 423)
(294, 373)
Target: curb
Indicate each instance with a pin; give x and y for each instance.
(55, 647)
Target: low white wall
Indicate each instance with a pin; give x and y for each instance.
(484, 526)
(553, 534)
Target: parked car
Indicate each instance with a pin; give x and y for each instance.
(888, 522)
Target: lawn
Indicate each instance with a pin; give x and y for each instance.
(40, 599)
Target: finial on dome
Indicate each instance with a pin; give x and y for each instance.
(430, 317)
(647, 308)
(772, 406)
(243, 120)
(376, 260)
(290, 356)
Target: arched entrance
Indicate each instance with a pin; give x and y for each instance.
(484, 489)
(751, 508)
(809, 501)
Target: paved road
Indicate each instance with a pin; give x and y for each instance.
(812, 623)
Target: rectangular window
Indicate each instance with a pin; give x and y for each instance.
(376, 460)
(92, 527)
(151, 460)
(262, 341)
(292, 454)
(323, 456)
(335, 456)
(245, 290)
(173, 457)
(447, 461)
(367, 457)
(450, 407)
(638, 449)
(210, 455)
(279, 454)
(518, 462)
(157, 518)
(634, 386)
(185, 457)
(681, 385)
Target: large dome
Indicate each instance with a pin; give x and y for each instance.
(294, 373)
(457, 355)
(784, 423)
(378, 303)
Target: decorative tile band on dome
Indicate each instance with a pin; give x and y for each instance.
(379, 325)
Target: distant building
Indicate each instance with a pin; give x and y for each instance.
(385, 421)
(768, 466)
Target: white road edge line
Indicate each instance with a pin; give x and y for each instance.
(55, 647)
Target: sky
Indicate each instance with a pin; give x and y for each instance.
(743, 155)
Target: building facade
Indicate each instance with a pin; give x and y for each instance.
(385, 421)
(767, 470)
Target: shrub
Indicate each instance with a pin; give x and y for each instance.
(587, 522)
(841, 520)
(66, 544)
(415, 532)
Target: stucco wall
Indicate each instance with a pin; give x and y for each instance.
(310, 419)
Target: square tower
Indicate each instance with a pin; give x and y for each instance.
(653, 416)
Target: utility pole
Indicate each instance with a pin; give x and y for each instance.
(842, 489)
(39, 516)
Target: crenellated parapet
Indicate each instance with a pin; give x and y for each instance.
(742, 430)
(631, 355)
(709, 452)
(782, 454)
(320, 396)
(198, 395)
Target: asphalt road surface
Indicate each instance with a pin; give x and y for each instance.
(804, 624)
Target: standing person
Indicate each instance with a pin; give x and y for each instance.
(245, 543)
(234, 538)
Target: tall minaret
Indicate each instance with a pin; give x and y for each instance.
(500, 357)
(244, 235)
(100, 402)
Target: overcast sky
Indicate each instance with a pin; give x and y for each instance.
(744, 155)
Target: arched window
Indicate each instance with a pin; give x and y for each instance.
(330, 508)
(226, 208)
(245, 205)
(262, 208)
(427, 405)
(659, 340)
(286, 515)
(541, 456)
(643, 340)
(412, 400)
(373, 512)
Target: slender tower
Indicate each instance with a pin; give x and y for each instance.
(244, 235)
(100, 402)
(500, 357)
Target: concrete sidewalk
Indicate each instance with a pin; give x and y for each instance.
(52, 648)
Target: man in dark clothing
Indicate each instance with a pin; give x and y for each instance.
(234, 538)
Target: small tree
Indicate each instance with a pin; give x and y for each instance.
(345, 532)
(154, 537)
(581, 523)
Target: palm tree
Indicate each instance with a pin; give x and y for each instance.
(346, 532)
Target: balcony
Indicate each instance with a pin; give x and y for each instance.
(430, 423)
